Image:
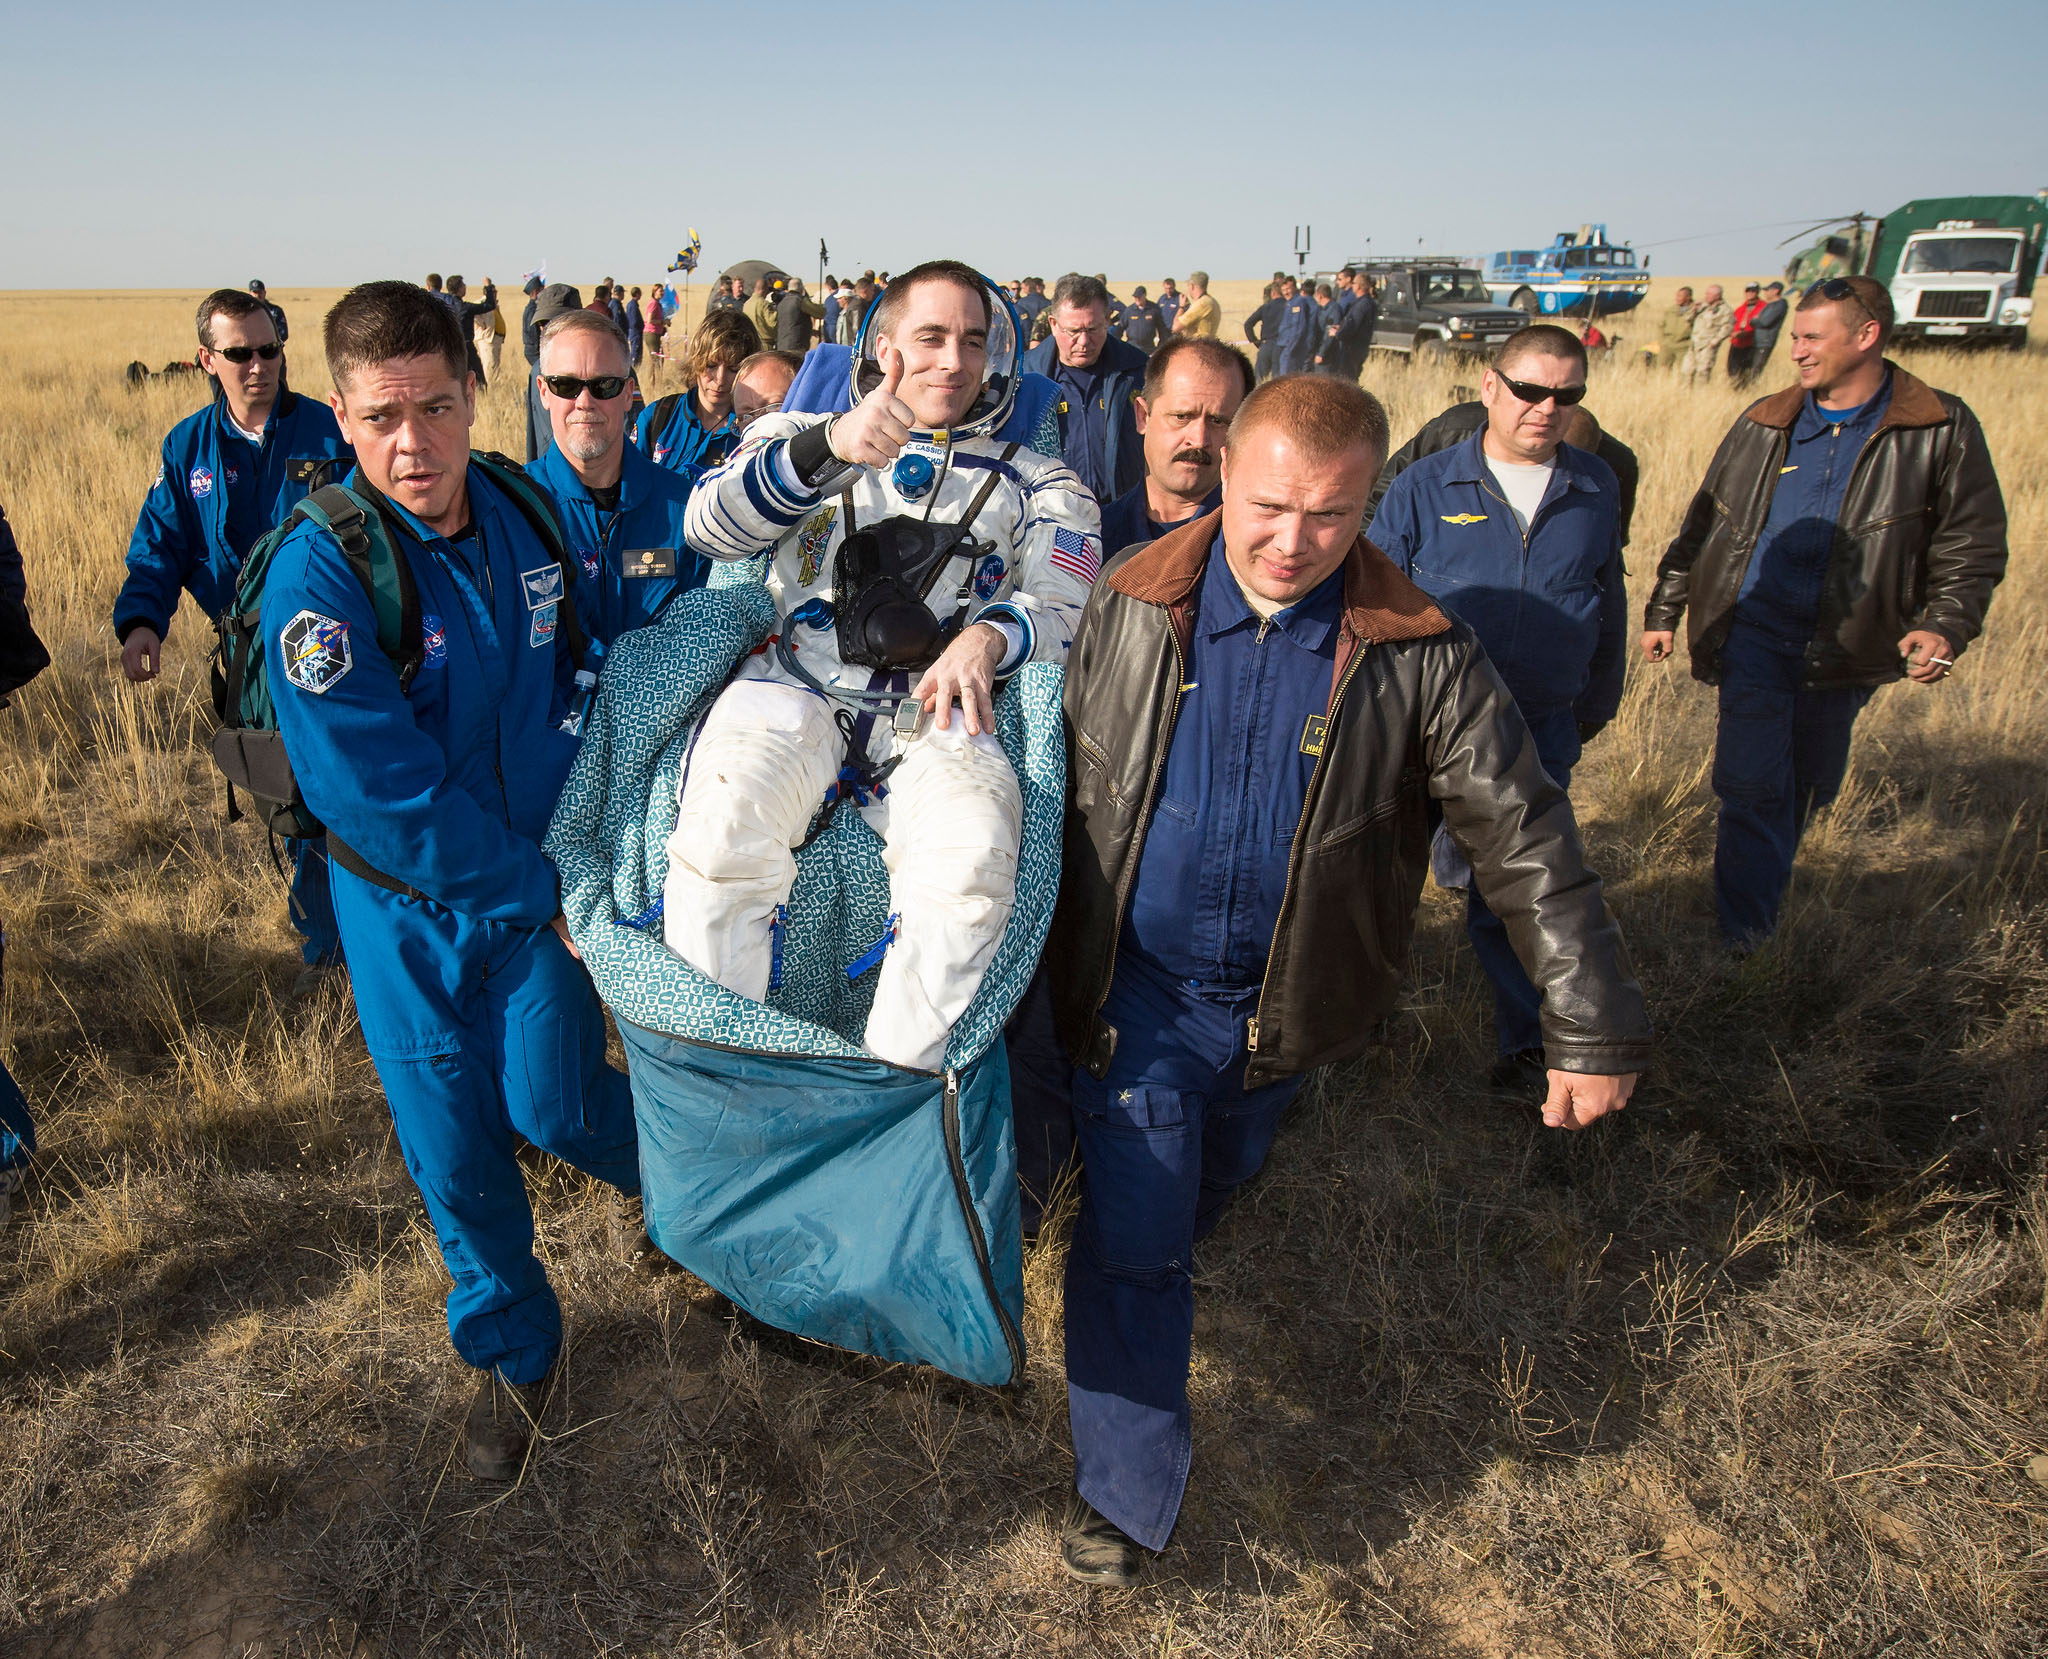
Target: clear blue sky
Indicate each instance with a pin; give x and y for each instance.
(158, 146)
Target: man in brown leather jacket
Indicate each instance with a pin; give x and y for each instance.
(1260, 710)
(1849, 533)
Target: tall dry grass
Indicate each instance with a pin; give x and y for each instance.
(1755, 1369)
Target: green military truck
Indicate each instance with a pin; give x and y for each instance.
(1960, 268)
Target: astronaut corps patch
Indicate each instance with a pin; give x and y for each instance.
(543, 587)
(1462, 518)
(543, 630)
(988, 576)
(811, 542)
(200, 482)
(316, 651)
(433, 640)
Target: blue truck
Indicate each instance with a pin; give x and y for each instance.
(1580, 274)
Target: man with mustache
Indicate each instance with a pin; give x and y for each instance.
(1192, 388)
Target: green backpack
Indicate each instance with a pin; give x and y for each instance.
(248, 748)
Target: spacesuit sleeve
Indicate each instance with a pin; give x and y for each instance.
(752, 499)
(161, 554)
(1058, 558)
(364, 766)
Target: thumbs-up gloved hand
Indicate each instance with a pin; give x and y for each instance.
(873, 432)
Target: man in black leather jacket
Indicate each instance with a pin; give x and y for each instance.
(1849, 533)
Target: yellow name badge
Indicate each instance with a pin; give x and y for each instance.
(1462, 518)
(650, 561)
(1313, 733)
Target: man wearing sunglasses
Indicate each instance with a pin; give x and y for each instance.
(1849, 533)
(1518, 535)
(622, 513)
(225, 476)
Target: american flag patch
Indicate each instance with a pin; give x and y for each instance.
(1077, 555)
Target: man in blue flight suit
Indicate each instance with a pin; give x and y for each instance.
(1296, 330)
(226, 475)
(1261, 329)
(1518, 535)
(623, 514)
(484, 1029)
(1099, 377)
(1192, 388)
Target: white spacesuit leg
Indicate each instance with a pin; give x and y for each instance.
(757, 776)
(951, 823)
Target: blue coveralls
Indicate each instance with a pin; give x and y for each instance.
(631, 562)
(215, 496)
(483, 1028)
(1128, 520)
(1552, 613)
(1169, 1133)
(685, 444)
(1296, 331)
(1782, 746)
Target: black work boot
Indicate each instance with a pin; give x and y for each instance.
(503, 1419)
(1094, 1549)
(1520, 1074)
(629, 1233)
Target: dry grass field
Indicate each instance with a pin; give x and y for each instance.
(1756, 1368)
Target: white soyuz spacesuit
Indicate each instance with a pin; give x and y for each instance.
(776, 740)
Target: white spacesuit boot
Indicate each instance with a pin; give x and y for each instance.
(951, 822)
(757, 776)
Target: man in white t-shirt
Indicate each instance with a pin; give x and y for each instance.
(1517, 534)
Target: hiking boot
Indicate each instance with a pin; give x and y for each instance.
(1094, 1549)
(1520, 1074)
(629, 1233)
(315, 979)
(503, 1419)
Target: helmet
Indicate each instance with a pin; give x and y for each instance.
(999, 373)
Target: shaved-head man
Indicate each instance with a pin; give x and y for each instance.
(1286, 705)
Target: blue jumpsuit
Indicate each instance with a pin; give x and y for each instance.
(685, 444)
(1169, 1132)
(214, 497)
(1551, 609)
(483, 1028)
(1296, 333)
(630, 562)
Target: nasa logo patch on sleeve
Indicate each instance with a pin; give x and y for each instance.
(316, 651)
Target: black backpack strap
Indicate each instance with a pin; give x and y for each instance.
(539, 510)
(357, 865)
(657, 422)
(352, 529)
(958, 621)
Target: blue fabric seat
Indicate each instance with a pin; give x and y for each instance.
(823, 1191)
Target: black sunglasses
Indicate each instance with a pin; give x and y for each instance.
(1532, 394)
(568, 388)
(242, 354)
(1841, 288)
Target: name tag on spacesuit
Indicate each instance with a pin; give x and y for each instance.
(649, 561)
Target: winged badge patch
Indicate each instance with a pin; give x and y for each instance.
(1463, 518)
(811, 542)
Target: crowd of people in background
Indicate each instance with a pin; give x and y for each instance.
(1849, 534)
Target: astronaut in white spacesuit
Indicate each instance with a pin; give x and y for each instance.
(968, 558)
